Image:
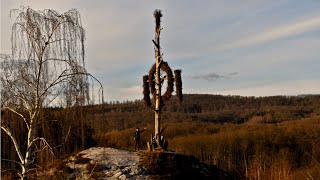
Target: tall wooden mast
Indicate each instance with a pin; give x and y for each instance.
(152, 83)
(157, 115)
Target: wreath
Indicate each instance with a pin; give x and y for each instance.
(164, 67)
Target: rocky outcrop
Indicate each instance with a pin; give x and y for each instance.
(109, 163)
(105, 163)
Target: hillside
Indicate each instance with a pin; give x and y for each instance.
(270, 137)
(206, 108)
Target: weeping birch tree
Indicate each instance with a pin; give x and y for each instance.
(47, 66)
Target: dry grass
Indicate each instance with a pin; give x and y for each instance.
(171, 165)
(282, 149)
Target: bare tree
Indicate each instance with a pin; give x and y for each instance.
(47, 66)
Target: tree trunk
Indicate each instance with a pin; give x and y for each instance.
(29, 157)
(158, 86)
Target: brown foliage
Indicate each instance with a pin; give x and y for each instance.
(146, 91)
(177, 77)
(152, 83)
(157, 15)
(166, 68)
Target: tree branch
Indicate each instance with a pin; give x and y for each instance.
(44, 142)
(15, 143)
(155, 44)
(9, 160)
(63, 77)
(19, 114)
(56, 59)
(56, 41)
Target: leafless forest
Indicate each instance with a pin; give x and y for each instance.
(254, 138)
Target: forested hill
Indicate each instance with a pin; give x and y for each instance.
(209, 108)
(205, 126)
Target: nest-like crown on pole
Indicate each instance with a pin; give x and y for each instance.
(157, 15)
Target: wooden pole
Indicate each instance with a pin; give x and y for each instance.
(155, 84)
(157, 15)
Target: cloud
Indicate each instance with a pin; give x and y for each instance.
(213, 76)
(232, 74)
(293, 87)
(275, 33)
(197, 37)
(130, 92)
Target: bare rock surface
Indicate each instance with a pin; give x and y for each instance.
(109, 163)
(105, 163)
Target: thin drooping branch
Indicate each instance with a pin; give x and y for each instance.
(10, 160)
(15, 142)
(62, 77)
(42, 140)
(19, 114)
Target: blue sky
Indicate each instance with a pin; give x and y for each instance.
(248, 48)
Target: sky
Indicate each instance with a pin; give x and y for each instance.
(247, 48)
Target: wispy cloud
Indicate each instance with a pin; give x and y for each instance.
(282, 88)
(123, 93)
(213, 76)
(276, 33)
